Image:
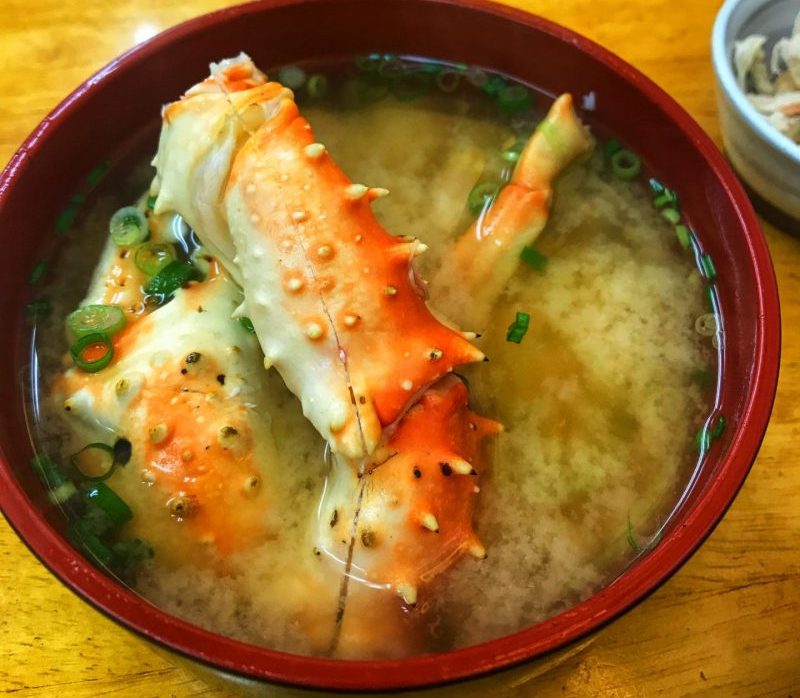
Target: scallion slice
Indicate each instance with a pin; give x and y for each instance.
(247, 323)
(513, 98)
(151, 202)
(533, 258)
(38, 310)
(317, 86)
(90, 544)
(482, 193)
(709, 270)
(92, 352)
(626, 165)
(94, 462)
(684, 236)
(493, 85)
(292, 76)
(665, 197)
(719, 428)
(152, 257)
(629, 534)
(671, 215)
(518, 328)
(110, 502)
(128, 226)
(448, 80)
(702, 440)
(611, 147)
(90, 319)
(38, 272)
(170, 279)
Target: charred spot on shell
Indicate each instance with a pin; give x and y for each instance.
(369, 538)
(221, 379)
(447, 471)
(181, 506)
(251, 485)
(228, 436)
(334, 518)
(193, 357)
(123, 450)
(417, 472)
(435, 354)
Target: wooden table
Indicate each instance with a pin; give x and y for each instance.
(726, 625)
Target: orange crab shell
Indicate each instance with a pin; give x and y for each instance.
(342, 272)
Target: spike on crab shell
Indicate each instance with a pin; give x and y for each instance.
(377, 193)
(461, 467)
(429, 521)
(354, 192)
(407, 592)
(404, 252)
(314, 151)
(477, 550)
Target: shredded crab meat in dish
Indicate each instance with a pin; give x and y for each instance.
(773, 87)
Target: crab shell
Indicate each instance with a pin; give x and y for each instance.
(333, 298)
(180, 389)
(478, 268)
(415, 507)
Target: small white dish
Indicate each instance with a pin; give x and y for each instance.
(767, 161)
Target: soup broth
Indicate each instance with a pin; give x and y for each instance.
(601, 399)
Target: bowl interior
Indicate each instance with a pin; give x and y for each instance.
(102, 123)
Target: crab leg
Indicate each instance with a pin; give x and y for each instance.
(484, 258)
(416, 501)
(332, 295)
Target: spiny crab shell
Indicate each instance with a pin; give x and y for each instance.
(414, 507)
(332, 296)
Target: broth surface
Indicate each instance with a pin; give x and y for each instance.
(600, 400)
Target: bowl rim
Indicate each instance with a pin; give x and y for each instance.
(427, 671)
(723, 67)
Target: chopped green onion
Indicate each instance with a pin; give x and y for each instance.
(493, 85)
(655, 186)
(611, 147)
(684, 236)
(63, 492)
(369, 63)
(66, 218)
(511, 154)
(632, 538)
(131, 553)
(513, 98)
(481, 194)
(533, 258)
(448, 80)
(47, 470)
(702, 440)
(128, 226)
(151, 202)
(292, 76)
(90, 319)
(671, 215)
(709, 270)
(170, 279)
(711, 298)
(38, 272)
(664, 197)
(102, 496)
(76, 199)
(152, 257)
(702, 376)
(626, 165)
(94, 462)
(247, 323)
(85, 352)
(94, 177)
(372, 88)
(38, 309)
(317, 86)
(90, 544)
(719, 428)
(411, 85)
(518, 328)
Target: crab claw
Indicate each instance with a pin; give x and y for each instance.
(414, 508)
(484, 258)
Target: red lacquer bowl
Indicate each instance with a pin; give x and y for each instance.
(106, 117)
